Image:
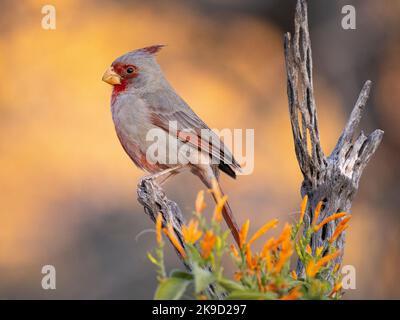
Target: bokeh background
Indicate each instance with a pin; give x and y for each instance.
(67, 189)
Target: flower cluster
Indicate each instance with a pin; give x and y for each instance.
(266, 274)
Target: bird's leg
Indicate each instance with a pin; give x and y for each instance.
(165, 177)
(162, 176)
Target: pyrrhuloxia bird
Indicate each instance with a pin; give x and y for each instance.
(142, 100)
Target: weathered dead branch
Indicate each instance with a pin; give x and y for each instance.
(332, 179)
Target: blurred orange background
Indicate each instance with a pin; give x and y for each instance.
(68, 191)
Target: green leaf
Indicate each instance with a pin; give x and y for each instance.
(230, 285)
(218, 244)
(171, 289)
(181, 274)
(194, 254)
(225, 235)
(251, 295)
(152, 259)
(295, 283)
(299, 253)
(202, 278)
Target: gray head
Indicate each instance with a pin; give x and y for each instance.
(137, 68)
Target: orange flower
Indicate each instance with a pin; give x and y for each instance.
(345, 220)
(267, 247)
(319, 251)
(271, 287)
(332, 217)
(218, 208)
(294, 294)
(200, 205)
(342, 225)
(336, 288)
(339, 229)
(268, 260)
(308, 249)
(285, 254)
(313, 267)
(286, 233)
(324, 260)
(191, 233)
(237, 276)
(174, 240)
(243, 233)
(249, 258)
(283, 257)
(158, 228)
(207, 244)
(336, 268)
(259, 281)
(234, 251)
(294, 275)
(286, 247)
(263, 229)
(317, 212)
(303, 208)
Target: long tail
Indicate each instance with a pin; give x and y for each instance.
(228, 215)
(207, 175)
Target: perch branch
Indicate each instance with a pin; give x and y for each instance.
(154, 200)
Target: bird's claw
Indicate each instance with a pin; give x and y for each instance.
(146, 179)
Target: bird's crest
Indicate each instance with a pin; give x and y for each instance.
(152, 49)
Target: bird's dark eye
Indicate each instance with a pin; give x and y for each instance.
(129, 70)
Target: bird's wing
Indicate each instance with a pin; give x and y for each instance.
(189, 128)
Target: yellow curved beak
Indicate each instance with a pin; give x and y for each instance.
(111, 77)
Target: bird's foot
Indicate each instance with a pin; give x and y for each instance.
(160, 177)
(146, 179)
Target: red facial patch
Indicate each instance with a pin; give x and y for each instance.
(126, 72)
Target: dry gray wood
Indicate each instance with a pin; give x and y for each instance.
(153, 199)
(333, 179)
